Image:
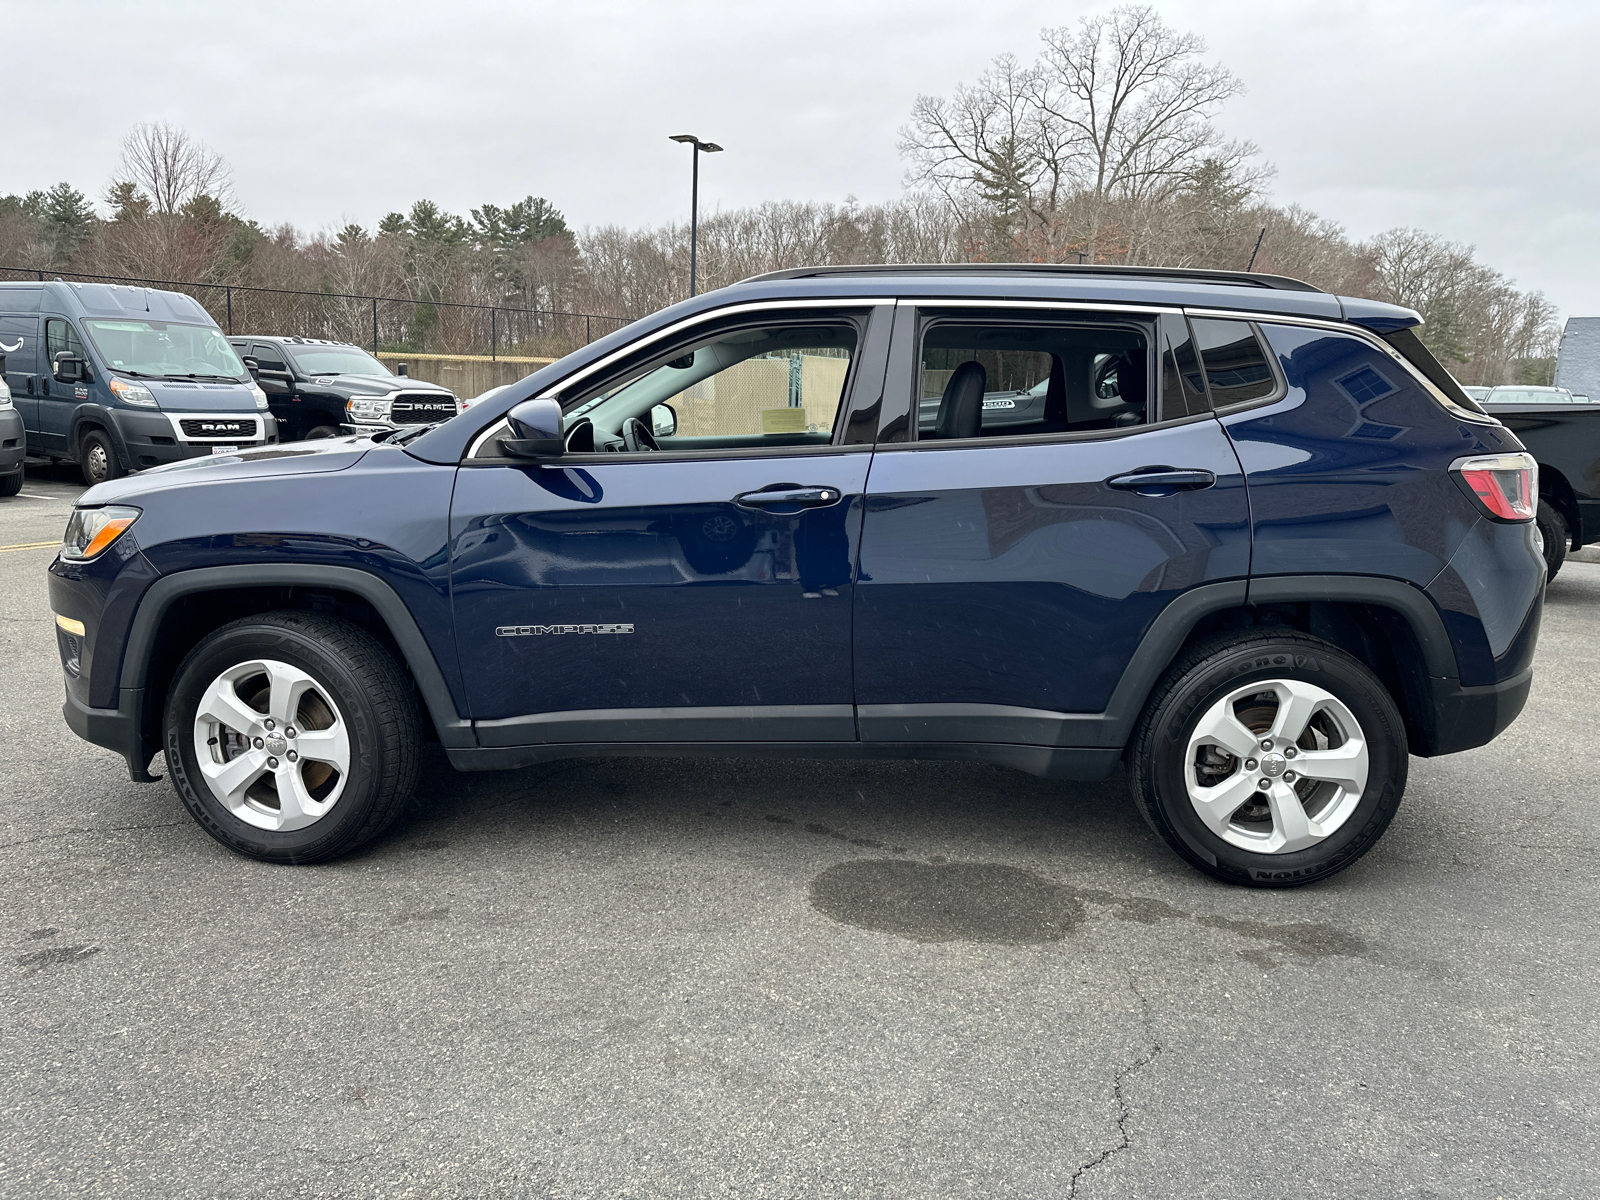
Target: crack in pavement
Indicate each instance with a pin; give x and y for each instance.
(1124, 1114)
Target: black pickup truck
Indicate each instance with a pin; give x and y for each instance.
(1563, 434)
(318, 389)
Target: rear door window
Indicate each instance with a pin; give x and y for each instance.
(1236, 366)
(1003, 378)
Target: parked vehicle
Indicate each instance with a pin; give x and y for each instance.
(1562, 432)
(118, 379)
(1477, 393)
(13, 439)
(320, 389)
(1265, 558)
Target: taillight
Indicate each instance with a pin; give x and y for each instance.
(1506, 486)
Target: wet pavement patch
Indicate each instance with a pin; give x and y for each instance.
(947, 902)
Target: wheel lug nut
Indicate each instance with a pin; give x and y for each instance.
(268, 723)
(289, 732)
(1265, 784)
(293, 757)
(1249, 764)
(1288, 751)
(259, 743)
(273, 763)
(1266, 743)
(1289, 776)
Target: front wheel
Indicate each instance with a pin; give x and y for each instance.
(11, 484)
(292, 737)
(97, 458)
(1270, 759)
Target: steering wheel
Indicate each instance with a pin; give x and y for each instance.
(636, 436)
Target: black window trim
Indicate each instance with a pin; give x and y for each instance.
(1146, 317)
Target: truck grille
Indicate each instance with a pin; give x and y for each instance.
(217, 428)
(419, 409)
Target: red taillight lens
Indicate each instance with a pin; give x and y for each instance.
(1506, 486)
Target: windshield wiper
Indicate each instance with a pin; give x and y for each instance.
(403, 436)
(194, 375)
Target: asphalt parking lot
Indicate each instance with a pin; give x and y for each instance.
(750, 978)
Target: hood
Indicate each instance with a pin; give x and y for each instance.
(175, 395)
(300, 458)
(356, 386)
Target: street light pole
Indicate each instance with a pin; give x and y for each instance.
(694, 195)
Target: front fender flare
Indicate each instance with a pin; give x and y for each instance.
(454, 732)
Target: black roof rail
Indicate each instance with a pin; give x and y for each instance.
(1280, 283)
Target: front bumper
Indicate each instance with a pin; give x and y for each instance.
(119, 729)
(151, 439)
(13, 441)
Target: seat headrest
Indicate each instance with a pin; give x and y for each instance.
(961, 406)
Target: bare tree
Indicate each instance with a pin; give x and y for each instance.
(1132, 97)
(171, 168)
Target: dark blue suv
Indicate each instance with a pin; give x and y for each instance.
(1243, 536)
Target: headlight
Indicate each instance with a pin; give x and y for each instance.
(367, 410)
(5, 393)
(90, 531)
(132, 393)
(261, 397)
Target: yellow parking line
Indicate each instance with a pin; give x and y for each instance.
(30, 546)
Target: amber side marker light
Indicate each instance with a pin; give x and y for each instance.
(75, 628)
(91, 531)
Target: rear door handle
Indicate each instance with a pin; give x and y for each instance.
(789, 495)
(1163, 480)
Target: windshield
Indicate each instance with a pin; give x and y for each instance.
(1510, 395)
(335, 360)
(165, 348)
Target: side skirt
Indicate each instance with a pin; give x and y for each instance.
(1050, 762)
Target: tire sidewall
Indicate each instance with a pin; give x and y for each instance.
(1329, 669)
(113, 468)
(241, 643)
(1555, 535)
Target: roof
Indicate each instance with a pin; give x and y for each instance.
(111, 300)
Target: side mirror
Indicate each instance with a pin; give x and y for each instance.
(535, 430)
(663, 420)
(400, 370)
(251, 365)
(68, 369)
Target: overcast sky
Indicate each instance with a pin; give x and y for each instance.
(1479, 121)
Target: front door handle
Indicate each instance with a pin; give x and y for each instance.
(1162, 481)
(789, 495)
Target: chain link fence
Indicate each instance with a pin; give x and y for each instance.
(382, 324)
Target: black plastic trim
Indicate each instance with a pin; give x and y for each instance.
(1467, 717)
(732, 723)
(1439, 656)
(452, 729)
(1051, 762)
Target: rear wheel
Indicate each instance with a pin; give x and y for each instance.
(292, 737)
(318, 432)
(1269, 760)
(1556, 536)
(97, 458)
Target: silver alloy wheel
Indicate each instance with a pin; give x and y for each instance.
(97, 461)
(1276, 766)
(272, 745)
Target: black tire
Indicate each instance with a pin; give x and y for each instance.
(1557, 537)
(318, 432)
(97, 458)
(11, 484)
(370, 690)
(1206, 675)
